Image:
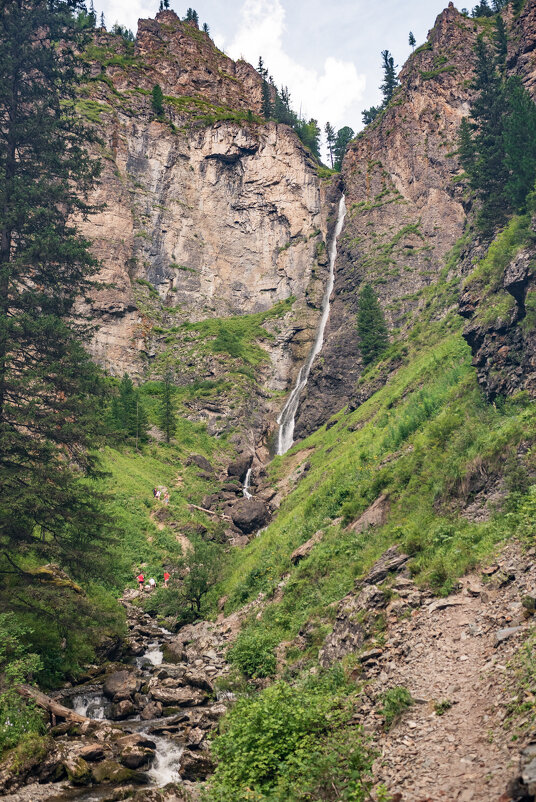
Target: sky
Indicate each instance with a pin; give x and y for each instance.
(328, 54)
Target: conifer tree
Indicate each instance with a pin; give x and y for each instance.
(412, 40)
(369, 115)
(158, 100)
(390, 80)
(342, 140)
(330, 140)
(373, 335)
(102, 20)
(519, 143)
(501, 43)
(128, 417)
(49, 390)
(206, 29)
(168, 420)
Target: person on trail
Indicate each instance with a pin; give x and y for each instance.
(141, 580)
(158, 494)
(155, 491)
(166, 578)
(152, 583)
(166, 498)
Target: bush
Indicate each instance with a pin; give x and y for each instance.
(253, 653)
(289, 743)
(394, 701)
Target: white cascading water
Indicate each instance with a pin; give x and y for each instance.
(165, 768)
(287, 418)
(247, 484)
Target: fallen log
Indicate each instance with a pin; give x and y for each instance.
(53, 707)
(211, 512)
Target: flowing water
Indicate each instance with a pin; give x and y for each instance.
(247, 484)
(165, 767)
(93, 705)
(287, 418)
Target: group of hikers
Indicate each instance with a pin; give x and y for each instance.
(161, 495)
(151, 583)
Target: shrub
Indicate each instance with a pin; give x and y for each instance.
(289, 743)
(253, 653)
(394, 702)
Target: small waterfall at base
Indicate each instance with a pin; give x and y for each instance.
(247, 484)
(287, 418)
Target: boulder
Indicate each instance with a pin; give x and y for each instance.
(195, 765)
(240, 466)
(198, 680)
(122, 710)
(375, 515)
(306, 548)
(201, 462)
(136, 750)
(249, 515)
(121, 685)
(391, 561)
(151, 711)
(109, 771)
(181, 697)
(78, 770)
(92, 752)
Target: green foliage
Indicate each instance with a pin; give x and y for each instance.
(497, 147)
(253, 653)
(394, 702)
(290, 743)
(441, 707)
(51, 395)
(373, 335)
(157, 100)
(168, 419)
(390, 79)
(127, 415)
(18, 718)
(342, 140)
(489, 272)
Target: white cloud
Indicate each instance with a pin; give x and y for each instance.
(330, 94)
(126, 12)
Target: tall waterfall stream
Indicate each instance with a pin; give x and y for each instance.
(287, 418)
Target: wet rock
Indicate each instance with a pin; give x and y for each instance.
(109, 771)
(121, 685)
(174, 652)
(92, 752)
(198, 680)
(78, 770)
(136, 750)
(123, 709)
(306, 548)
(201, 462)
(196, 736)
(196, 765)
(240, 466)
(249, 515)
(151, 710)
(182, 697)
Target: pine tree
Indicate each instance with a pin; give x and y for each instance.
(412, 40)
(206, 29)
(369, 115)
(517, 5)
(342, 140)
(128, 418)
(500, 41)
(158, 100)
(49, 390)
(102, 20)
(166, 4)
(168, 421)
(519, 143)
(390, 80)
(330, 140)
(373, 335)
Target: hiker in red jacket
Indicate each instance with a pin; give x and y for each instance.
(166, 578)
(141, 580)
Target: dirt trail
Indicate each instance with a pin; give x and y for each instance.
(451, 653)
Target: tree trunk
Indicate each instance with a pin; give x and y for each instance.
(53, 707)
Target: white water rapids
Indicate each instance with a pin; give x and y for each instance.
(247, 484)
(287, 418)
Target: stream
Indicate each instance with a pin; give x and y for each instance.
(287, 418)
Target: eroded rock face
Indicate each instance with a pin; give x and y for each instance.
(404, 212)
(250, 515)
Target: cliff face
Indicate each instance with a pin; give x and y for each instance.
(209, 212)
(405, 209)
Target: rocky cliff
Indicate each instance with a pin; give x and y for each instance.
(209, 212)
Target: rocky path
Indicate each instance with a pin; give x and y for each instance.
(455, 651)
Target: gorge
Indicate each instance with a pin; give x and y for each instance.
(328, 508)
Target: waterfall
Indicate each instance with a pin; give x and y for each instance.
(287, 418)
(247, 484)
